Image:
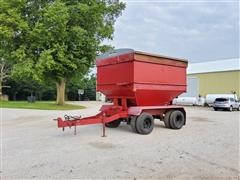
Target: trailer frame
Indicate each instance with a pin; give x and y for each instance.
(119, 111)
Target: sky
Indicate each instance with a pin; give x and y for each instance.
(195, 30)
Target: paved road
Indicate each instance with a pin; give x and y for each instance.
(33, 147)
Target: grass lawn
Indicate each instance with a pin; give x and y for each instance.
(44, 105)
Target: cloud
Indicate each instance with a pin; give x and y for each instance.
(198, 31)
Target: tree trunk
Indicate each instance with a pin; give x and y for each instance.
(1, 88)
(1, 80)
(61, 92)
(38, 95)
(15, 96)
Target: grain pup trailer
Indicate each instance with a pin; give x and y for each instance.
(141, 87)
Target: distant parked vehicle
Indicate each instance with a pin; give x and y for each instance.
(210, 98)
(226, 103)
(190, 101)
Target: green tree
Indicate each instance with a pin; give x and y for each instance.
(22, 88)
(58, 39)
(4, 74)
(11, 26)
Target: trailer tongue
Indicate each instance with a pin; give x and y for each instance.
(141, 86)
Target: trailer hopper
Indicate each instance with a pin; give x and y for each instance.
(141, 86)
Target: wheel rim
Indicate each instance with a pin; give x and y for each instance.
(231, 108)
(179, 120)
(147, 123)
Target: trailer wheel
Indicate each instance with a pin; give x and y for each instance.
(176, 119)
(166, 119)
(145, 123)
(113, 124)
(133, 124)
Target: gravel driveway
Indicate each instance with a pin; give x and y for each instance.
(33, 147)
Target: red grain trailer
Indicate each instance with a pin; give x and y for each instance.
(141, 86)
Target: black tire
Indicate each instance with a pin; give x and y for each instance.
(145, 123)
(113, 124)
(176, 119)
(230, 109)
(133, 124)
(238, 108)
(166, 119)
(215, 109)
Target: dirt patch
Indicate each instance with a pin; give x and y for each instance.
(28, 118)
(212, 163)
(22, 120)
(200, 119)
(101, 145)
(37, 149)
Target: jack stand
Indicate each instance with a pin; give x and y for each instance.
(103, 135)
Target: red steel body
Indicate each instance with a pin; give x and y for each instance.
(143, 79)
(136, 82)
